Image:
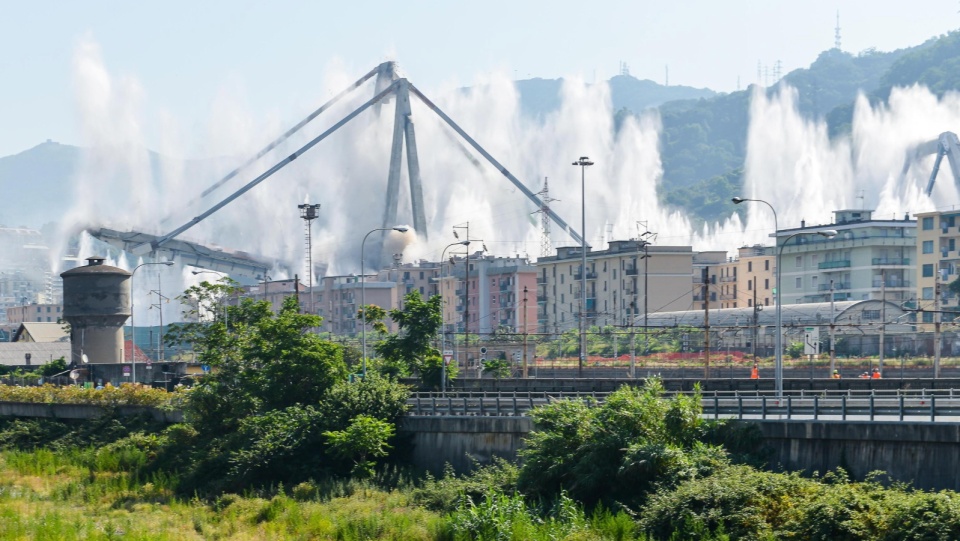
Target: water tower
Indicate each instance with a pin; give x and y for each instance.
(96, 303)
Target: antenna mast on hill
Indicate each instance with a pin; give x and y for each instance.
(836, 32)
(546, 247)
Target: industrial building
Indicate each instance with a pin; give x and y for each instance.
(857, 324)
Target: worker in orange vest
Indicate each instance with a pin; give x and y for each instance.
(836, 374)
(755, 372)
(876, 374)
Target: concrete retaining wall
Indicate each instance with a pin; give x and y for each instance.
(926, 454)
(454, 440)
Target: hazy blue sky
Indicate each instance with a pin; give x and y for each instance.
(185, 53)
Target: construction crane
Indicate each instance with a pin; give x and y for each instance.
(947, 144)
(388, 84)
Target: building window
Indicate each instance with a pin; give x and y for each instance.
(928, 223)
(927, 293)
(799, 282)
(813, 282)
(928, 317)
(928, 246)
(766, 264)
(750, 285)
(766, 283)
(928, 270)
(749, 266)
(871, 315)
(799, 261)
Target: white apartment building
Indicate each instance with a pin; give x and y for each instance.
(868, 259)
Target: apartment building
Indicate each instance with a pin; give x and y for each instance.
(869, 258)
(490, 296)
(622, 280)
(938, 264)
(747, 278)
(45, 313)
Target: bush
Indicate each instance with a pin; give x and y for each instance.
(619, 451)
(740, 501)
(450, 490)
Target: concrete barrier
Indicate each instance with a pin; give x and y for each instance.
(454, 440)
(925, 454)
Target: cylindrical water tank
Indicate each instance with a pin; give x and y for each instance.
(96, 303)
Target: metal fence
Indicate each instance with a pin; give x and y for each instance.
(941, 405)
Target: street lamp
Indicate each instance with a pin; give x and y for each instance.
(363, 296)
(778, 371)
(583, 162)
(443, 335)
(133, 328)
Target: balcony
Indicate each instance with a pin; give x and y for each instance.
(590, 276)
(541, 298)
(541, 280)
(840, 264)
(728, 297)
(505, 286)
(630, 271)
(728, 279)
(892, 283)
(890, 261)
(836, 287)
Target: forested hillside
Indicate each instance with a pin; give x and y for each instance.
(703, 144)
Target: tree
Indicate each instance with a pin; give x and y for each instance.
(411, 348)
(498, 368)
(620, 451)
(365, 438)
(262, 361)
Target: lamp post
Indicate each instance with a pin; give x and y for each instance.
(133, 328)
(828, 233)
(778, 371)
(583, 162)
(363, 296)
(443, 335)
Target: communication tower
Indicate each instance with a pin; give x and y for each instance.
(836, 32)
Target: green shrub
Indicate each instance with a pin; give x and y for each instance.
(447, 492)
(738, 500)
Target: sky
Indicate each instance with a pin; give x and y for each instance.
(184, 56)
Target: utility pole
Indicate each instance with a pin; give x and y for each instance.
(524, 332)
(706, 322)
(756, 313)
(936, 326)
(296, 289)
(883, 318)
(833, 340)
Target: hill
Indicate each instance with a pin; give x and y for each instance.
(542, 96)
(36, 184)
